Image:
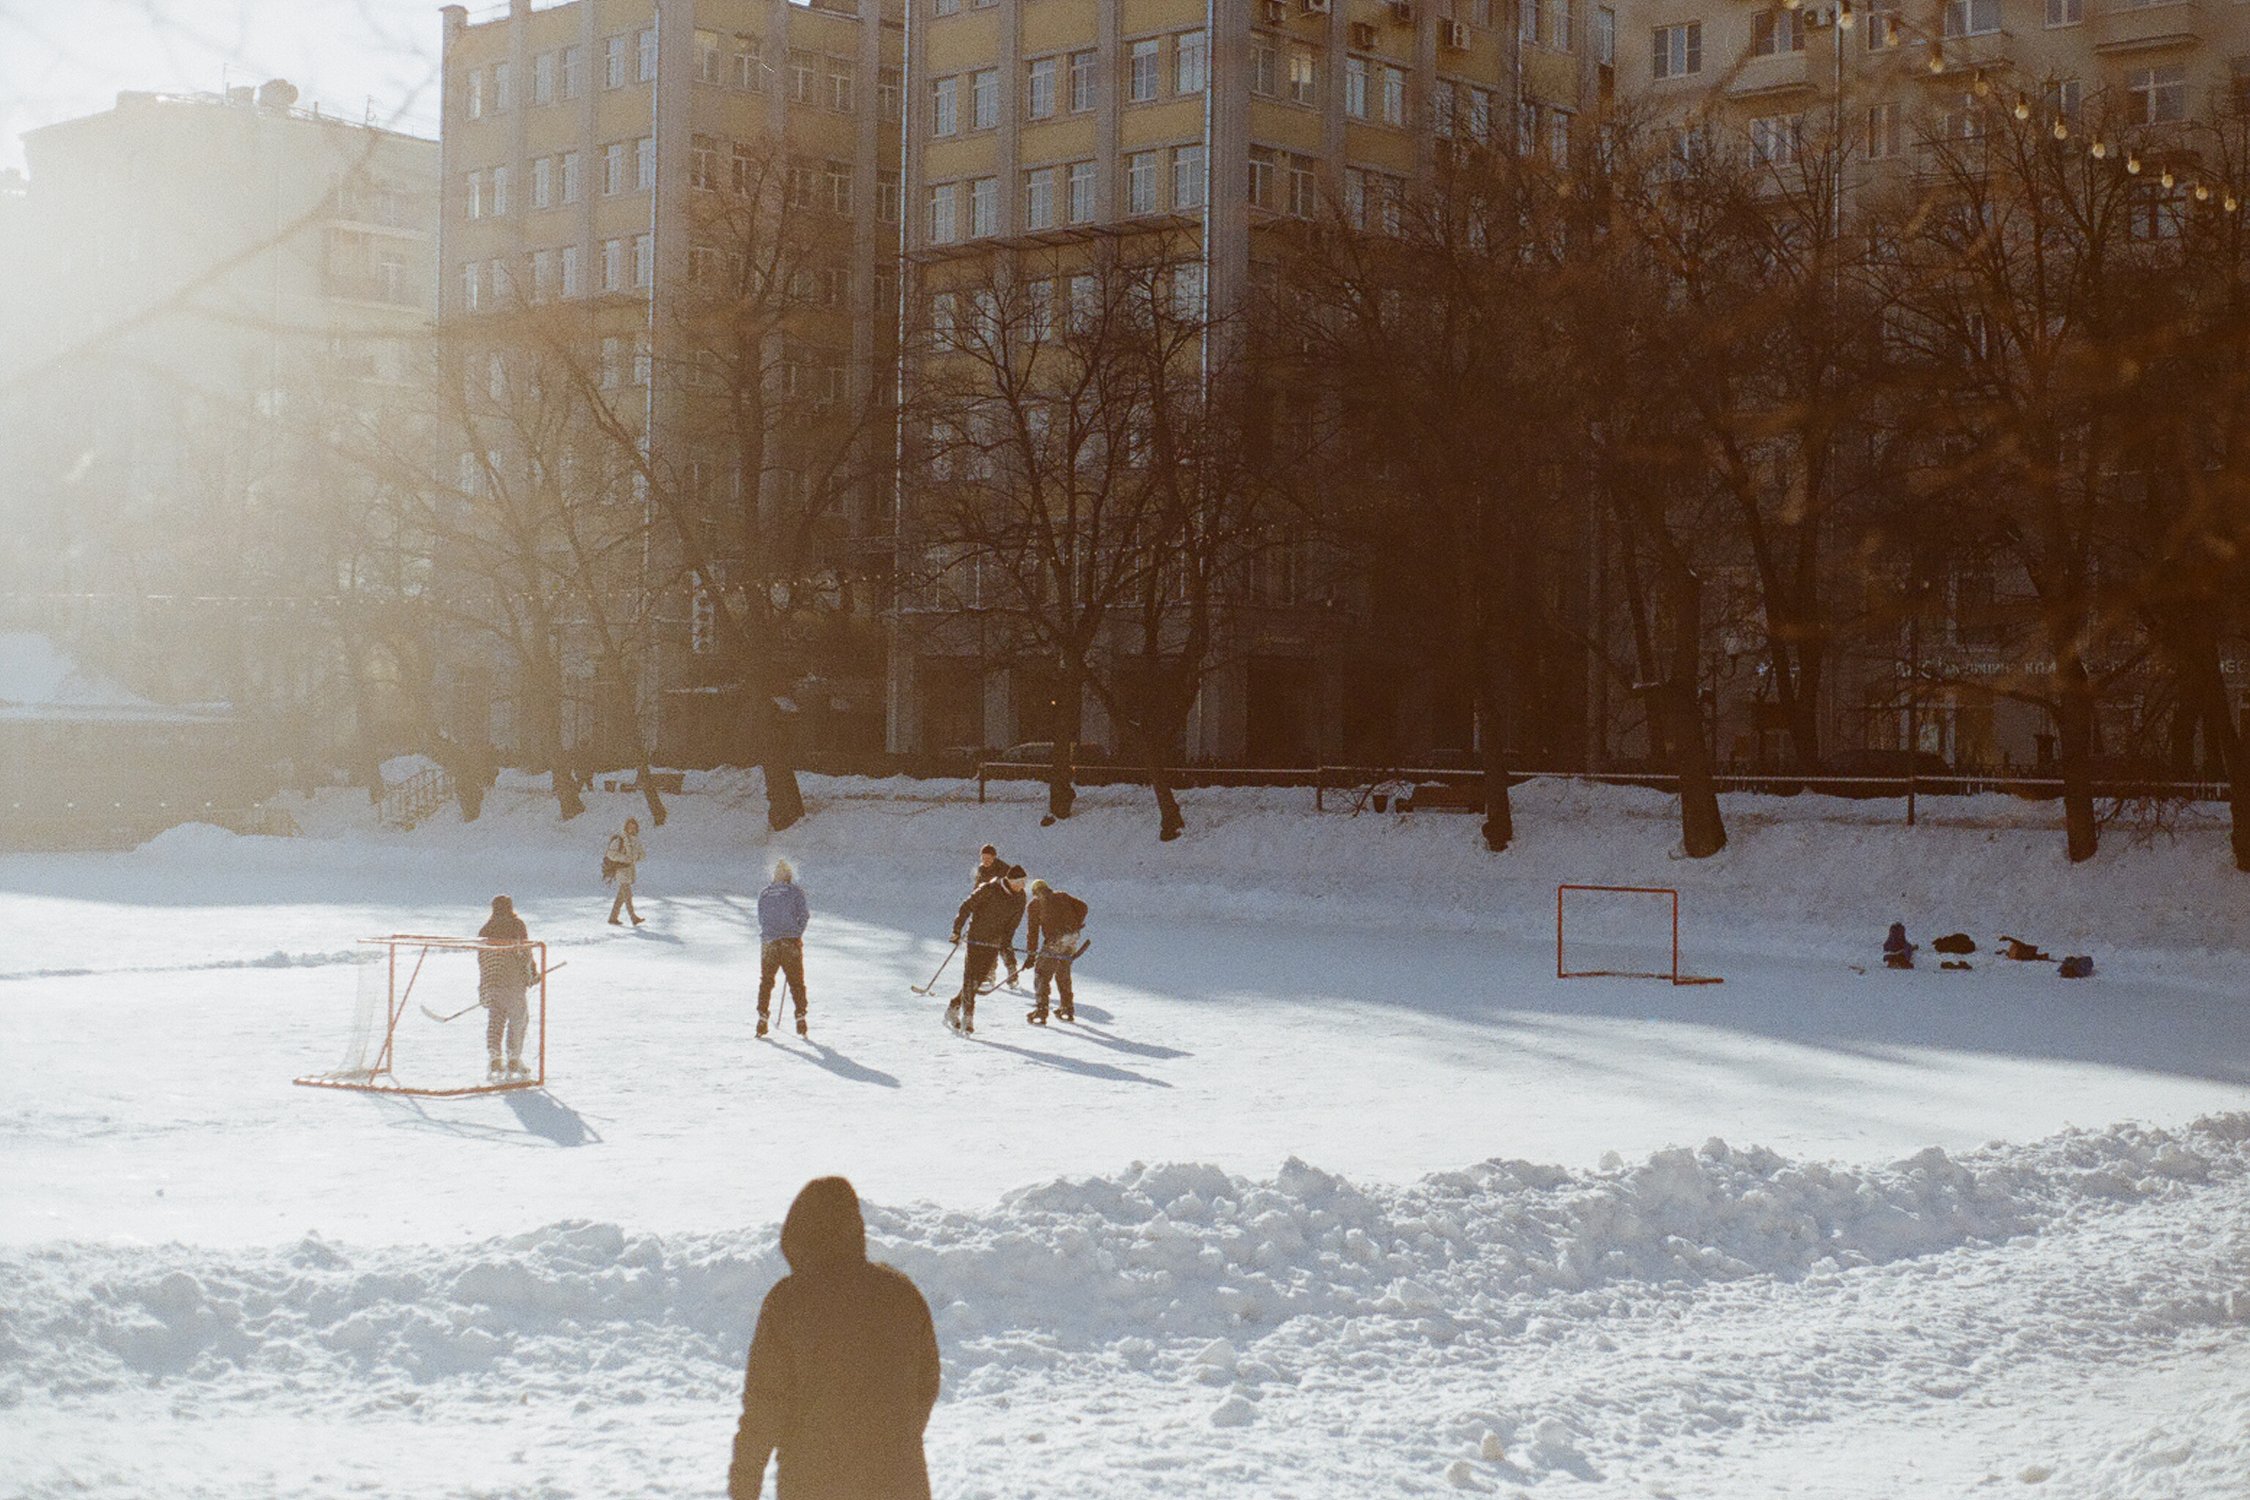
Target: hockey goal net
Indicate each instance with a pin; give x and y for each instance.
(1620, 932)
(417, 1026)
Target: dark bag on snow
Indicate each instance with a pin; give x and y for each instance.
(2076, 966)
(1955, 942)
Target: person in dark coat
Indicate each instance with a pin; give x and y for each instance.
(843, 1366)
(506, 967)
(990, 866)
(1898, 953)
(1055, 921)
(990, 914)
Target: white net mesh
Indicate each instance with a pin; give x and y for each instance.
(1614, 932)
(416, 1024)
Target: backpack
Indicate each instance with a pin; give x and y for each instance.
(2076, 966)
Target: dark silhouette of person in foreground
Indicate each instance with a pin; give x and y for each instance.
(843, 1367)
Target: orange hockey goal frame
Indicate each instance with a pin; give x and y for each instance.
(374, 1075)
(1563, 969)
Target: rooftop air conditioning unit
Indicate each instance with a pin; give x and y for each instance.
(1363, 35)
(1455, 36)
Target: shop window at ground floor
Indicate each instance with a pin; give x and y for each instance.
(950, 702)
(1281, 702)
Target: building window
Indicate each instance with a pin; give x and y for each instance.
(472, 286)
(613, 265)
(1141, 70)
(1140, 182)
(1260, 191)
(573, 183)
(803, 76)
(709, 65)
(1971, 17)
(1187, 176)
(945, 7)
(836, 183)
(749, 63)
(886, 197)
(703, 163)
(573, 72)
(1081, 174)
(644, 163)
(1304, 76)
(573, 285)
(943, 198)
(1774, 140)
(648, 55)
(842, 95)
(945, 107)
(2158, 95)
(1084, 304)
(503, 90)
(984, 99)
(542, 183)
(890, 91)
(984, 207)
(1480, 115)
(1883, 30)
(1775, 33)
(1558, 25)
(1039, 198)
(702, 264)
(1394, 96)
(1678, 50)
(473, 95)
(1558, 137)
(2065, 12)
(542, 274)
(800, 184)
(1304, 187)
(1605, 36)
(474, 197)
(1082, 68)
(613, 169)
(1187, 292)
(1884, 132)
(1039, 89)
(1355, 87)
(543, 78)
(644, 260)
(1265, 68)
(1191, 62)
(2064, 95)
(499, 204)
(743, 170)
(614, 53)
(1527, 21)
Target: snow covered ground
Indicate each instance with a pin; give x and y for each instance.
(1335, 1190)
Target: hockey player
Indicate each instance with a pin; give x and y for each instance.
(1051, 938)
(990, 914)
(505, 969)
(782, 915)
(990, 866)
(621, 862)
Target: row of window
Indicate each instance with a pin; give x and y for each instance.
(1676, 51)
(1172, 179)
(2159, 96)
(628, 57)
(624, 262)
(830, 81)
(826, 185)
(559, 180)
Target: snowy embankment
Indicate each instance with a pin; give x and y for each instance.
(1637, 1327)
(284, 1291)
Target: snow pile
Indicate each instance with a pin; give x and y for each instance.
(1182, 1270)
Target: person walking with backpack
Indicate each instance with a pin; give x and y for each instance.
(1052, 939)
(621, 862)
(783, 913)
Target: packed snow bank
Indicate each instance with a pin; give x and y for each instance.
(1261, 1294)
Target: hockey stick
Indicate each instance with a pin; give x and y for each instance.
(924, 989)
(464, 1010)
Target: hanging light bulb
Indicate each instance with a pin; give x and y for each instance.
(2098, 151)
(2166, 179)
(1983, 87)
(2062, 131)
(1937, 58)
(2023, 107)
(2132, 164)
(1845, 20)
(2230, 204)
(2202, 193)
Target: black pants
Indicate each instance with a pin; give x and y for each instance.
(787, 957)
(982, 959)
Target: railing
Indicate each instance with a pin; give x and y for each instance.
(119, 823)
(415, 798)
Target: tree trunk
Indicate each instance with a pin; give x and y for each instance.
(1703, 830)
(2074, 723)
(649, 794)
(1499, 827)
(777, 767)
(1169, 824)
(565, 784)
(2193, 649)
(1070, 714)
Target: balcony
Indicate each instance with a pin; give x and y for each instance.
(1769, 77)
(2151, 25)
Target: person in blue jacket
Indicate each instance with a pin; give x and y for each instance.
(782, 915)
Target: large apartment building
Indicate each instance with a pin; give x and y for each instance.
(1035, 127)
(206, 289)
(709, 190)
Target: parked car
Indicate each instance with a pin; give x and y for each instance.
(1042, 752)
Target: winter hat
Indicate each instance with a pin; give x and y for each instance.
(988, 849)
(1041, 888)
(781, 870)
(824, 1226)
(1015, 872)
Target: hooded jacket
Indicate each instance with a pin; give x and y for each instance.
(1055, 917)
(843, 1367)
(992, 911)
